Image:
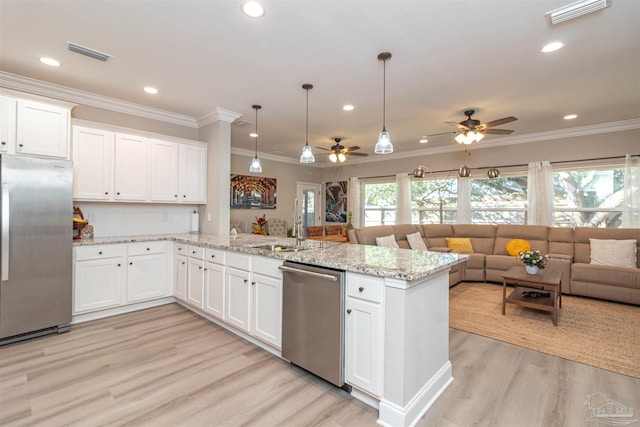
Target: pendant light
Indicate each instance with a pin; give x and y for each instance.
(307, 155)
(384, 146)
(256, 167)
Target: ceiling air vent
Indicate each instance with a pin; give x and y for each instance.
(575, 10)
(72, 47)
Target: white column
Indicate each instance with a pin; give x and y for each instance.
(216, 131)
(403, 199)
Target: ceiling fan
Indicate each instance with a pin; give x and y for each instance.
(471, 130)
(339, 152)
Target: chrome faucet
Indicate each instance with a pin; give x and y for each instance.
(297, 224)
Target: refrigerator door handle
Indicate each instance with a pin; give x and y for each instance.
(5, 232)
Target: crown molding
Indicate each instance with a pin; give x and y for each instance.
(219, 115)
(50, 90)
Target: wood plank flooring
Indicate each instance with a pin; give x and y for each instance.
(166, 366)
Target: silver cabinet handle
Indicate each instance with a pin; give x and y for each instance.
(309, 273)
(5, 231)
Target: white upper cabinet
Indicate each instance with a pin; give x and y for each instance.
(164, 171)
(92, 163)
(193, 173)
(34, 128)
(131, 168)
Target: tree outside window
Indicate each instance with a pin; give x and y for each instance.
(434, 201)
(379, 203)
(499, 200)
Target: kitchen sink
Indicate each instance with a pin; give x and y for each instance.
(280, 248)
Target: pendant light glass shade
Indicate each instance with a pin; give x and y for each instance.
(307, 154)
(255, 166)
(384, 146)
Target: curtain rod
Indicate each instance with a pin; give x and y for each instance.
(511, 166)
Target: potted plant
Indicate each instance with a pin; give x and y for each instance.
(532, 260)
(259, 227)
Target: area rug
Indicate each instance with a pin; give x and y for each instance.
(597, 333)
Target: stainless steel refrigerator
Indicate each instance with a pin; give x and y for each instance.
(36, 246)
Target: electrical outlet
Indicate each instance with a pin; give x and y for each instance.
(165, 217)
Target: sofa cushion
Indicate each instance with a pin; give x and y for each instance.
(435, 234)
(561, 241)
(582, 235)
(416, 242)
(602, 274)
(536, 235)
(615, 253)
(367, 235)
(387, 241)
(515, 246)
(461, 245)
(482, 236)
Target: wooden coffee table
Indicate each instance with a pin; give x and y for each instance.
(544, 281)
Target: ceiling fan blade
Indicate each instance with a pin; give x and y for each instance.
(457, 125)
(498, 131)
(351, 153)
(354, 148)
(443, 133)
(322, 148)
(499, 122)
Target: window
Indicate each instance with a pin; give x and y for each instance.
(434, 201)
(379, 203)
(588, 197)
(499, 200)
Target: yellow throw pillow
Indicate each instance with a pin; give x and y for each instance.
(462, 245)
(515, 246)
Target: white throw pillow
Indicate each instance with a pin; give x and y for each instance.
(615, 253)
(387, 241)
(416, 242)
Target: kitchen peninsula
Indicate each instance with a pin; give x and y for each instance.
(397, 335)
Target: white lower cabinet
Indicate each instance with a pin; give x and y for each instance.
(266, 301)
(148, 271)
(180, 283)
(237, 298)
(363, 335)
(214, 279)
(98, 278)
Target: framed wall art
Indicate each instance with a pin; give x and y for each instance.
(253, 192)
(336, 202)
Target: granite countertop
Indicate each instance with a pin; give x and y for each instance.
(401, 264)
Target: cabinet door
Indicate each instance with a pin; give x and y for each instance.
(7, 124)
(180, 282)
(266, 321)
(147, 277)
(195, 283)
(363, 345)
(237, 298)
(164, 171)
(214, 289)
(98, 284)
(42, 130)
(131, 167)
(193, 174)
(92, 164)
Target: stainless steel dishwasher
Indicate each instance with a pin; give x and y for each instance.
(313, 321)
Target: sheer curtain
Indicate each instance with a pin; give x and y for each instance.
(631, 204)
(463, 209)
(403, 199)
(353, 201)
(540, 194)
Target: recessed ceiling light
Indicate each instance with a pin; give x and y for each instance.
(552, 47)
(50, 61)
(151, 90)
(570, 116)
(253, 135)
(253, 9)
(424, 139)
(347, 107)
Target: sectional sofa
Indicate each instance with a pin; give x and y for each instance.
(568, 249)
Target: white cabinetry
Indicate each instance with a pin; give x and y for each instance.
(148, 271)
(99, 277)
(181, 272)
(266, 300)
(164, 171)
(214, 278)
(92, 163)
(195, 277)
(131, 168)
(34, 127)
(193, 173)
(238, 291)
(363, 335)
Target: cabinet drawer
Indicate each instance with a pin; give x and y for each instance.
(215, 256)
(98, 252)
(239, 261)
(266, 266)
(195, 252)
(180, 249)
(145, 248)
(364, 287)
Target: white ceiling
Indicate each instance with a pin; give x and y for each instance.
(447, 56)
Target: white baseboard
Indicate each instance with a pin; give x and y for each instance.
(101, 314)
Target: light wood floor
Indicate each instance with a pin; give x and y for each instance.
(168, 367)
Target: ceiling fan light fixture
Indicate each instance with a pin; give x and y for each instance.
(384, 145)
(341, 157)
(333, 157)
(307, 155)
(256, 166)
